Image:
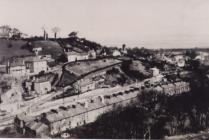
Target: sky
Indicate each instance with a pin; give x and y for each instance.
(141, 23)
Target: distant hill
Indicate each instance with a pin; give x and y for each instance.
(10, 48)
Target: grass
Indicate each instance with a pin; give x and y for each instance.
(10, 48)
(67, 78)
(49, 47)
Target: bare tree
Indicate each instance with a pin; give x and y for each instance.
(55, 30)
(16, 33)
(5, 31)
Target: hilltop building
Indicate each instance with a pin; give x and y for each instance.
(74, 56)
(36, 50)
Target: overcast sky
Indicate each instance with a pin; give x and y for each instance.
(148, 23)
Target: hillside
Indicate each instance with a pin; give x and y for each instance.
(9, 48)
(49, 47)
(79, 43)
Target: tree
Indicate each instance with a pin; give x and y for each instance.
(55, 30)
(123, 46)
(73, 34)
(16, 33)
(5, 31)
(191, 54)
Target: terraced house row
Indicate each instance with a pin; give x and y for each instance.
(174, 88)
(77, 114)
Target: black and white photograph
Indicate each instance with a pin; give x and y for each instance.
(104, 69)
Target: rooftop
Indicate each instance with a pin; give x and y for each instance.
(34, 59)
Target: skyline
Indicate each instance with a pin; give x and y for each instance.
(142, 23)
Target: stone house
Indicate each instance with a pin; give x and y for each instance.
(174, 88)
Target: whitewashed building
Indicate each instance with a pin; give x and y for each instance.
(74, 56)
(92, 54)
(36, 65)
(17, 70)
(36, 50)
(16, 67)
(155, 72)
(42, 86)
(116, 53)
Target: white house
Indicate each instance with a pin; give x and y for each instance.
(116, 53)
(36, 65)
(36, 50)
(42, 86)
(92, 54)
(16, 68)
(155, 72)
(181, 63)
(74, 56)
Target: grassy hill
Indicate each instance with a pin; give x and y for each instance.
(9, 48)
(49, 47)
